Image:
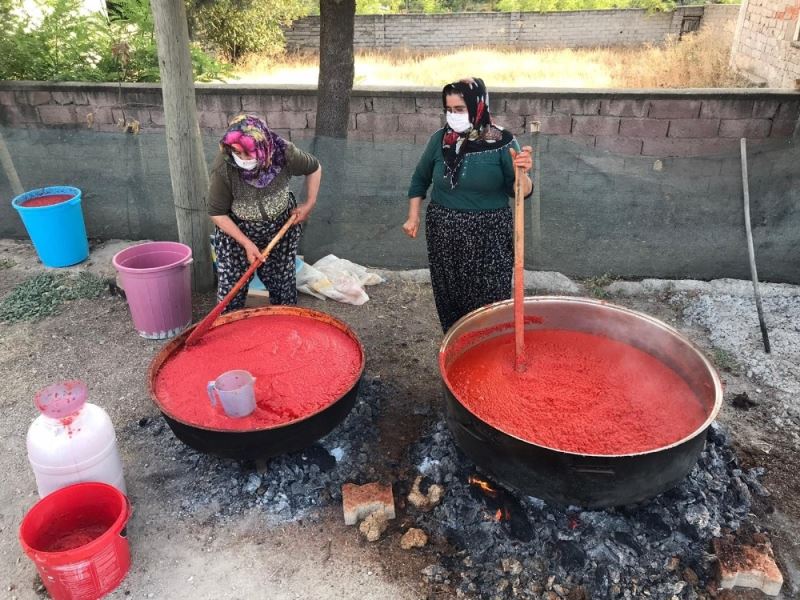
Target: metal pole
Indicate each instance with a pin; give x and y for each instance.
(750, 250)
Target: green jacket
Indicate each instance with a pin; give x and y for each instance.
(486, 179)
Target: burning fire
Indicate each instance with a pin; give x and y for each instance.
(483, 485)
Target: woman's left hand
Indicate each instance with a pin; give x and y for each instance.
(522, 159)
(302, 212)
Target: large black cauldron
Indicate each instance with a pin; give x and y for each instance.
(567, 477)
(266, 442)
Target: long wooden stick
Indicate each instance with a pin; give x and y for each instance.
(519, 273)
(208, 321)
(750, 250)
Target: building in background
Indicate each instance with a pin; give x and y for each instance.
(766, 46)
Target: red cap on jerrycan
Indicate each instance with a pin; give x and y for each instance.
(72, 440)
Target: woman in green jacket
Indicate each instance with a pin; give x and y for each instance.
(468, 223)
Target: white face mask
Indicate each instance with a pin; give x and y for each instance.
(247, 165)
(458, 122)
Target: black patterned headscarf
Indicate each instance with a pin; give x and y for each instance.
(482, 135)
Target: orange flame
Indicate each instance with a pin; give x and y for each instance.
(483, 485)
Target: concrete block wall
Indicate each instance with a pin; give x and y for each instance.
(648, 122)
(766, 45)
(612, 197)
(573, 29)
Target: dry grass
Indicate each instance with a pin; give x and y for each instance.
(699, 60)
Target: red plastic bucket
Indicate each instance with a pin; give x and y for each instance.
(75, 538)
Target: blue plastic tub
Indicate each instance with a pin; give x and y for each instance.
(57, 231)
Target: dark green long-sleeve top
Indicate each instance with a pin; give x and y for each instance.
(486, 179)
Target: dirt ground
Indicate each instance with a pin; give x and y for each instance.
(317, 557)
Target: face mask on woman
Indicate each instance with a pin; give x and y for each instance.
(247, 165)
(458, 122)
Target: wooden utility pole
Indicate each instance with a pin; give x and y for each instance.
(187, 163)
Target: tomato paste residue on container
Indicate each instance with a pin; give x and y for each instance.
(74, 537)
(580, 393)
(48, 200)
(301, 365)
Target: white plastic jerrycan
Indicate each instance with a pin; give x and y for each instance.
(72, 440)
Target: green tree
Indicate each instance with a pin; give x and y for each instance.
(239, 27)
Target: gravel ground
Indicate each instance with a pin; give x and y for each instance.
(249, 553)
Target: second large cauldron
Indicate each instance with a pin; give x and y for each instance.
(590, 480)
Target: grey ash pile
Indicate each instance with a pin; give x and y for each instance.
(510, 546)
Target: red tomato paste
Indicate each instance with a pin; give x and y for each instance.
(580, 393)
(301, 365)
(48, 200)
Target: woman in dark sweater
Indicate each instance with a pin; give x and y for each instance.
(249, 201)
(468, 223)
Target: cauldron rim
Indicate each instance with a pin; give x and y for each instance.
(450, 337)
(175, 344)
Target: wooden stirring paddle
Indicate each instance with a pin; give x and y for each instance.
(519, 275)
(208, 321)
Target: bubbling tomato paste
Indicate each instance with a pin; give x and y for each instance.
(301, 365)
(48, 200)
(580, 393)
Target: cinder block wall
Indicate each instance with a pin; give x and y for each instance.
(648, 122)
(764, 46)
(572, 29)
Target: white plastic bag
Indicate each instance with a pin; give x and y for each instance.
(337, 279)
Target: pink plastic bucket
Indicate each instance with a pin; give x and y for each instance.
(75, 537)
(158, 285)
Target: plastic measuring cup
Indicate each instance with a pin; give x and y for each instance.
(235, 390)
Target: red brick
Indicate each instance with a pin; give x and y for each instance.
(576, 106)
(556, 124)
(624, 108)
(674, 109)
(727, 109)
(376, 123)
(416, 123)
(595, 125)
(750, 566)
(57, 115)
(643, 128)
(287, 120)
(360, 501)
(620, 145)
(261, 103)
(665, 147)
(748, 128)
(693, 128)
